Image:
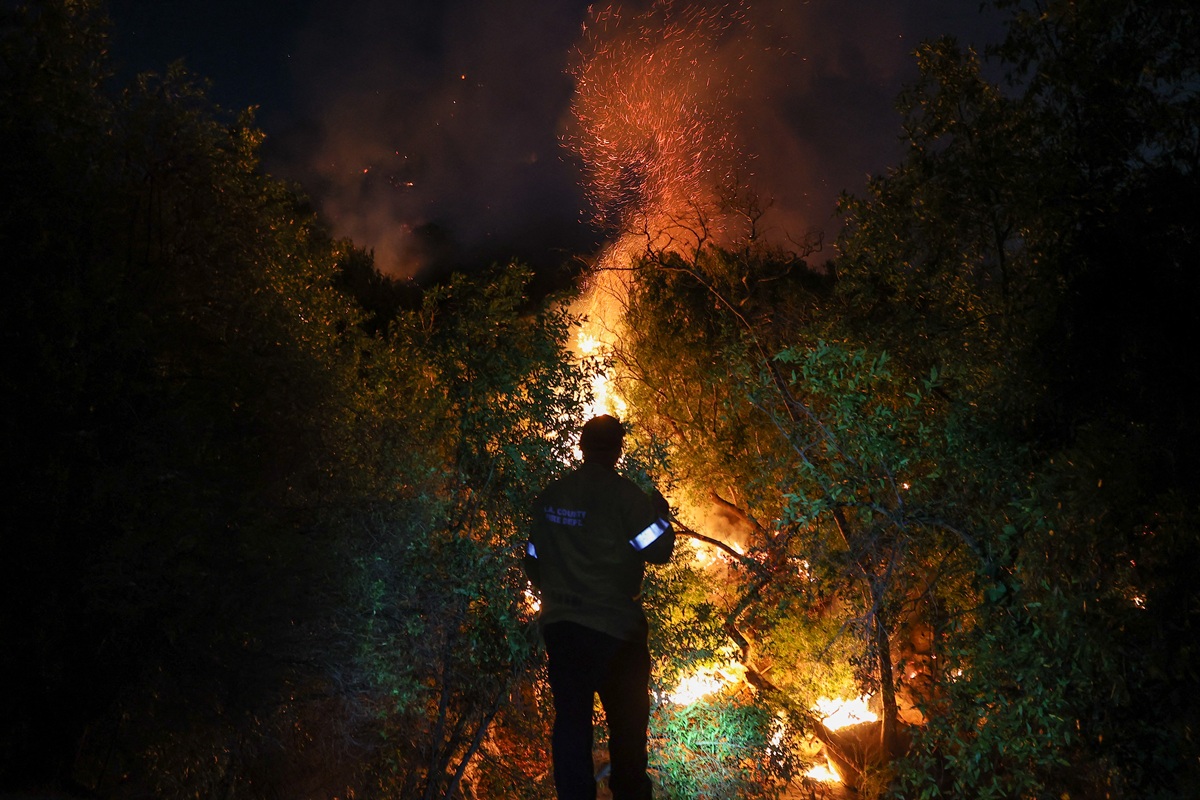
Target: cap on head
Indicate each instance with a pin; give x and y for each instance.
(602, 434)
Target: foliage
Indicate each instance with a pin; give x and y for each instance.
(265, 544)
(1005, 243)
(949, 483)
(852, 465)
(180, 346)
(447, 636)
(686, 629)
(720, 746)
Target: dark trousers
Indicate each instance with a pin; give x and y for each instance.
(584, 662)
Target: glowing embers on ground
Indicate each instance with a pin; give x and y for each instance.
(834, 713)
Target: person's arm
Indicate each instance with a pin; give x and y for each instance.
(656, 542)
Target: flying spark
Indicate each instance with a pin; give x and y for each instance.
(654, 117)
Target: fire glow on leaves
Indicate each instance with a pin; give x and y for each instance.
(653, 125)
(835, 713)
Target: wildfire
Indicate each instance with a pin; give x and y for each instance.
(654, 125)
(843, 713)
(839, 713)
(600, 310)
(705, 681)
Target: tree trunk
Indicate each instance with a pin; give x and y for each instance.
(887, 685)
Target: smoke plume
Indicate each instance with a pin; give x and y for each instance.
(433, 132)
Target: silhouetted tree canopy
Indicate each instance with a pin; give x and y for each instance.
(266, 506)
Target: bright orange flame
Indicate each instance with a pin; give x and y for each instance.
(605, 398)
(825, 773)
(600, 309)
(532, 601)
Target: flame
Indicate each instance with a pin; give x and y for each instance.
(588, 344)
(706, 554)
(839, 713)
(825, 773)
(532, 601)
(599, 310)
(605, 399)
(705, 681)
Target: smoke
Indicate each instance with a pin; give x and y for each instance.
(430, 131)
(682, 109)
(823, 117)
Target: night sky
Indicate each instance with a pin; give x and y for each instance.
(430, 129)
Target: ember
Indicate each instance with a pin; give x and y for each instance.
(654, 119)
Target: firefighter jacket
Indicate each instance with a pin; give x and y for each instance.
(593, 532)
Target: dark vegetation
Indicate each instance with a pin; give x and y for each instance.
(265, 507)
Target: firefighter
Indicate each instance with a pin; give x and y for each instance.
(593, 533)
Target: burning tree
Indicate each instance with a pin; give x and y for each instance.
(837, 468)
(908, 440)
(653, 126)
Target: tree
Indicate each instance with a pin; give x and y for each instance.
(1005, 243)
(839, 471)
(183, 352)
(985, 266)
(289, 562)
(488, 410)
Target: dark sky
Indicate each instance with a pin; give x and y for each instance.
(428, 129)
